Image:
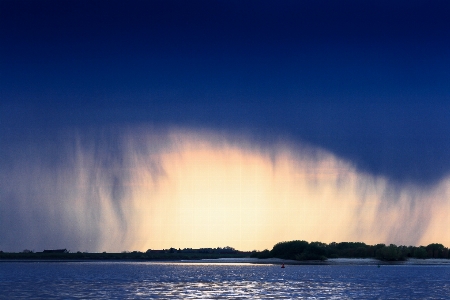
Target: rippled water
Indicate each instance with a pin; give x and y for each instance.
(136, 280)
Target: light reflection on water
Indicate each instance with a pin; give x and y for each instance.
(135, 280)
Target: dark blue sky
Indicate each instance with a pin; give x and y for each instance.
(366, 80)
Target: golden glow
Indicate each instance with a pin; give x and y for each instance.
(197, 190)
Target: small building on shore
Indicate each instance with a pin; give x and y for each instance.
(56, 251)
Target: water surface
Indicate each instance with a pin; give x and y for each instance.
(139, 280)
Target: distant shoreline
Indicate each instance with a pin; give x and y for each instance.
(328, 262)
(255, 261)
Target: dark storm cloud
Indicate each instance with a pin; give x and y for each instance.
(365, 80)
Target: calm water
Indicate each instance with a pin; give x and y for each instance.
(135, 280)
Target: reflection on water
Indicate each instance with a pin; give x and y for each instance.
(123, 280)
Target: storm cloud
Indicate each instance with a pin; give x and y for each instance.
(367, 81)
(364, 82)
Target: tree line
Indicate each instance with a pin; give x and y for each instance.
(302, 250)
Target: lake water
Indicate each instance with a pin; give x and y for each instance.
(144, 280)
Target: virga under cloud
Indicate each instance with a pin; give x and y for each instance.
(140, 189)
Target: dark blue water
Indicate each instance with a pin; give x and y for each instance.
(135, 280)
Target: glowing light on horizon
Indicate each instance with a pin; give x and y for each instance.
(198, 189)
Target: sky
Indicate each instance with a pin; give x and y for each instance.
(129, 125)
